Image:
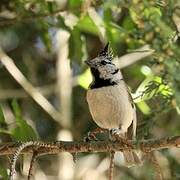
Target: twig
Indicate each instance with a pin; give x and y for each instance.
(23, 19)
(33, 160)
(19, 150)
(28, 87)
(98, 21)
(97, 146)
(64, 77)
(111, 166)
(15, 157)
(159, 175)
(75, 157)
(46, 90)
(127, 171)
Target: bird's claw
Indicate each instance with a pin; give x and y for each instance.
(117, 135)
(90, 137)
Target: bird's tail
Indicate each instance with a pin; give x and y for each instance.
(131, 158)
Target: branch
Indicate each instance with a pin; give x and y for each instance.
(64, 77)
(111, 166)
(133, 57)
(28, 87)
(45, 90)
(33, 159)
(43, 148)
(25, 19)
(153, 159)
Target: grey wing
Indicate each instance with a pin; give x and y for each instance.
(134, 122)
(131, 133)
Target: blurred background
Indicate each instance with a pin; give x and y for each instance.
(43, 84)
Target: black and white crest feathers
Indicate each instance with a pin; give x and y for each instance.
(103, 70)
(106, 52)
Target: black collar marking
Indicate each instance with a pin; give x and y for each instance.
(99, 82)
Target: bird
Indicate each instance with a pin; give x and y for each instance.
(110, 102)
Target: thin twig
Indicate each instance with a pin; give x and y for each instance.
(26, 19)
(18, 152)
(111, 166)
(159, 175)
(33, 160)
(15, 157)
(75, 157)
(46, 90)
(98, 21)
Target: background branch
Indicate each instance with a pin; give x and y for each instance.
(45, 90)
(28, 87)
(25, 19)
(133, 57)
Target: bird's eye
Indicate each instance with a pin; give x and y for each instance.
(103, 62)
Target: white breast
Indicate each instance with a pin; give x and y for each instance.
(110, 107)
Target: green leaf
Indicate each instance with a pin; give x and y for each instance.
(174, 75)
(16, 110)
(74, 3)
(3, 131)
(86, 24)
(46, 39)
(166, 31)
(134, 15)
(98, 21)
(152, 13)
(75, 45)
(144, 108)
(50, 6)
(137, 96)
(2, 119)
(23, 131)
(150, 87)
(128, 24)
(44, 34)
(3, 173)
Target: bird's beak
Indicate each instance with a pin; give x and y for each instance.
(88, 62)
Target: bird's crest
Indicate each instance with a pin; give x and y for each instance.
(106, 52)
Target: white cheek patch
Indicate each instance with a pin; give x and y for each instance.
(106, 71)
(96, 62)
(117, 77)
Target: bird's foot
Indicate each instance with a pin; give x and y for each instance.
(119, 135)
(91, 136)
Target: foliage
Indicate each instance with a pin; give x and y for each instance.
(22, 130)
(29, 35)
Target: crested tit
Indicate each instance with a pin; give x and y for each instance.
(110, 102)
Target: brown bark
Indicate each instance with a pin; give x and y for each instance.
(97, 146)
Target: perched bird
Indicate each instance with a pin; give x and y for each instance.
(110, 102)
